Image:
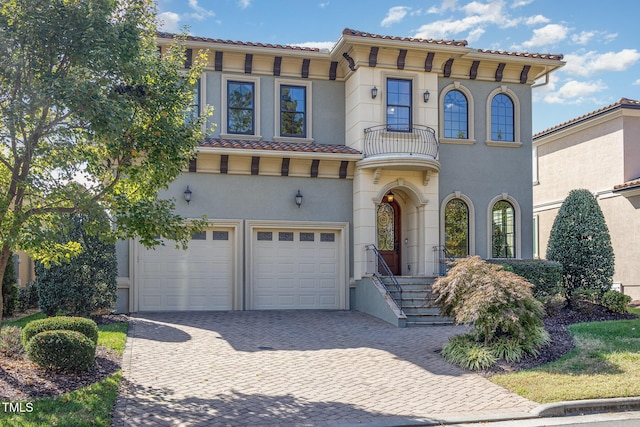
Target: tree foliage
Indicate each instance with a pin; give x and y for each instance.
(498, 305)
(85, 96)
(580, 241)
(86, 283)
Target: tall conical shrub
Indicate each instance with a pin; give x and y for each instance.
(580, 241)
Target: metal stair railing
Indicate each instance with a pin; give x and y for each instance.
(380, 263)
(442, 258)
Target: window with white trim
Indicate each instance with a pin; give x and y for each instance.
(399, 105)
(293, 107)
(503, 230)
(241, 112)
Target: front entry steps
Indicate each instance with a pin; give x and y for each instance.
(418, 301)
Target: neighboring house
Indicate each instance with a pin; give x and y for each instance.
(599, 151)
(404, 143)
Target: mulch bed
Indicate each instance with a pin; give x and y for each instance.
(561, 340)
(23, 380)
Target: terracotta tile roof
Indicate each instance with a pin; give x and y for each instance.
(278, 146)
(622, 103)
(627, 185)
(552, 56)
(239, 43)
(350, 32)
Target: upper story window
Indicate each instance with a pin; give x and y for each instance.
(194, 110)
(456, 112)
(399, 95)
(293, 111)
(502, 118)
(240, 107)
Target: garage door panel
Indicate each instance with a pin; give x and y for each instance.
(299, 272)
(199, 278)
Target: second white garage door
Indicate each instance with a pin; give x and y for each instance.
(295, 269)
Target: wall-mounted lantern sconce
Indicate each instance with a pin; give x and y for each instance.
(374, 92)
(298, 198)
(389, 197)
(426, 95)
(187, 195)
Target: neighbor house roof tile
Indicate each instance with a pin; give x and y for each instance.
(622, 103)
(350, 32)
(628, 184)
(163, 35)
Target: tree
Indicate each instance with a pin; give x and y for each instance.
(85, 96)
(87, 283)
(9, 289)
(580, 241)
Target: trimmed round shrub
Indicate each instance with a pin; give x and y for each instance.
(62, 350)
(87, 327)
(615, 301)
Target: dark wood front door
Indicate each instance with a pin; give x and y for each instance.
(388, 224)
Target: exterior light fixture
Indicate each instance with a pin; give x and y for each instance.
(389, 197)
(374, 92)
(187, 195)
(298, 198)
(425, 96)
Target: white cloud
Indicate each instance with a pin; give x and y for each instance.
(199, 12)
(169, 22)
(583, 38)
(547, 35)
(536, 20)
(520, 3)
(636, 83)
(394, 15)
(322, 5)
(574, 92)
(446, 5)
(591, 62)
(244, 3)
(319, 45)
(478, 17)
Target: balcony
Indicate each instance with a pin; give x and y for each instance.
(416, 149)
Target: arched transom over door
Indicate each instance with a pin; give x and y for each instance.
(388, 228)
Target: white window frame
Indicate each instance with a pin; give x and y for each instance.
(471, 139)
(517, 217)
(308, 111)
(472, 219)
(256, 108)
(516, 119)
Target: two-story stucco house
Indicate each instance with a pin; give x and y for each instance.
(411, 145)
(599, 151)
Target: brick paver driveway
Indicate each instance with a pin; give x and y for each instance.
(258, 368)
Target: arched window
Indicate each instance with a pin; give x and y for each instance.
(456, 113)
(502, 118)
(456, 228)
(503, 230)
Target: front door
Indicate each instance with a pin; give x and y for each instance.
(388, 223)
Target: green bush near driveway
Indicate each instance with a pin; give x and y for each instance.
(87, 327)
(62, 350)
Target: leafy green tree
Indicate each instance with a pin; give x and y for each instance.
(9, 289)
(85, 96)
(87, 283)
(580, 241)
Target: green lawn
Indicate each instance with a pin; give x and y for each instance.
(88, 406)
(605, 363)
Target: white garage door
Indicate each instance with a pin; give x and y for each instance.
(200, 278)
(295, 269)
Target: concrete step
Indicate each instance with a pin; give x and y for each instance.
(415, 280)
(420, 311)
(443, 322)
(417, 294)
(427, 319)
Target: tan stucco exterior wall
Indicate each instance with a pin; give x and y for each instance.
(594, 156)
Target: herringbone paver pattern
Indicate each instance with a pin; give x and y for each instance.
(257, 368)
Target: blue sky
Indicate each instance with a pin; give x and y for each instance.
(599, 39)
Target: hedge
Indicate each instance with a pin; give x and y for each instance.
(87, 327)
(545, 276)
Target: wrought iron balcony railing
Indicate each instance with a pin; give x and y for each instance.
(419, 140)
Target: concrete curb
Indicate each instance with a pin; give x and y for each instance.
(577, 407)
